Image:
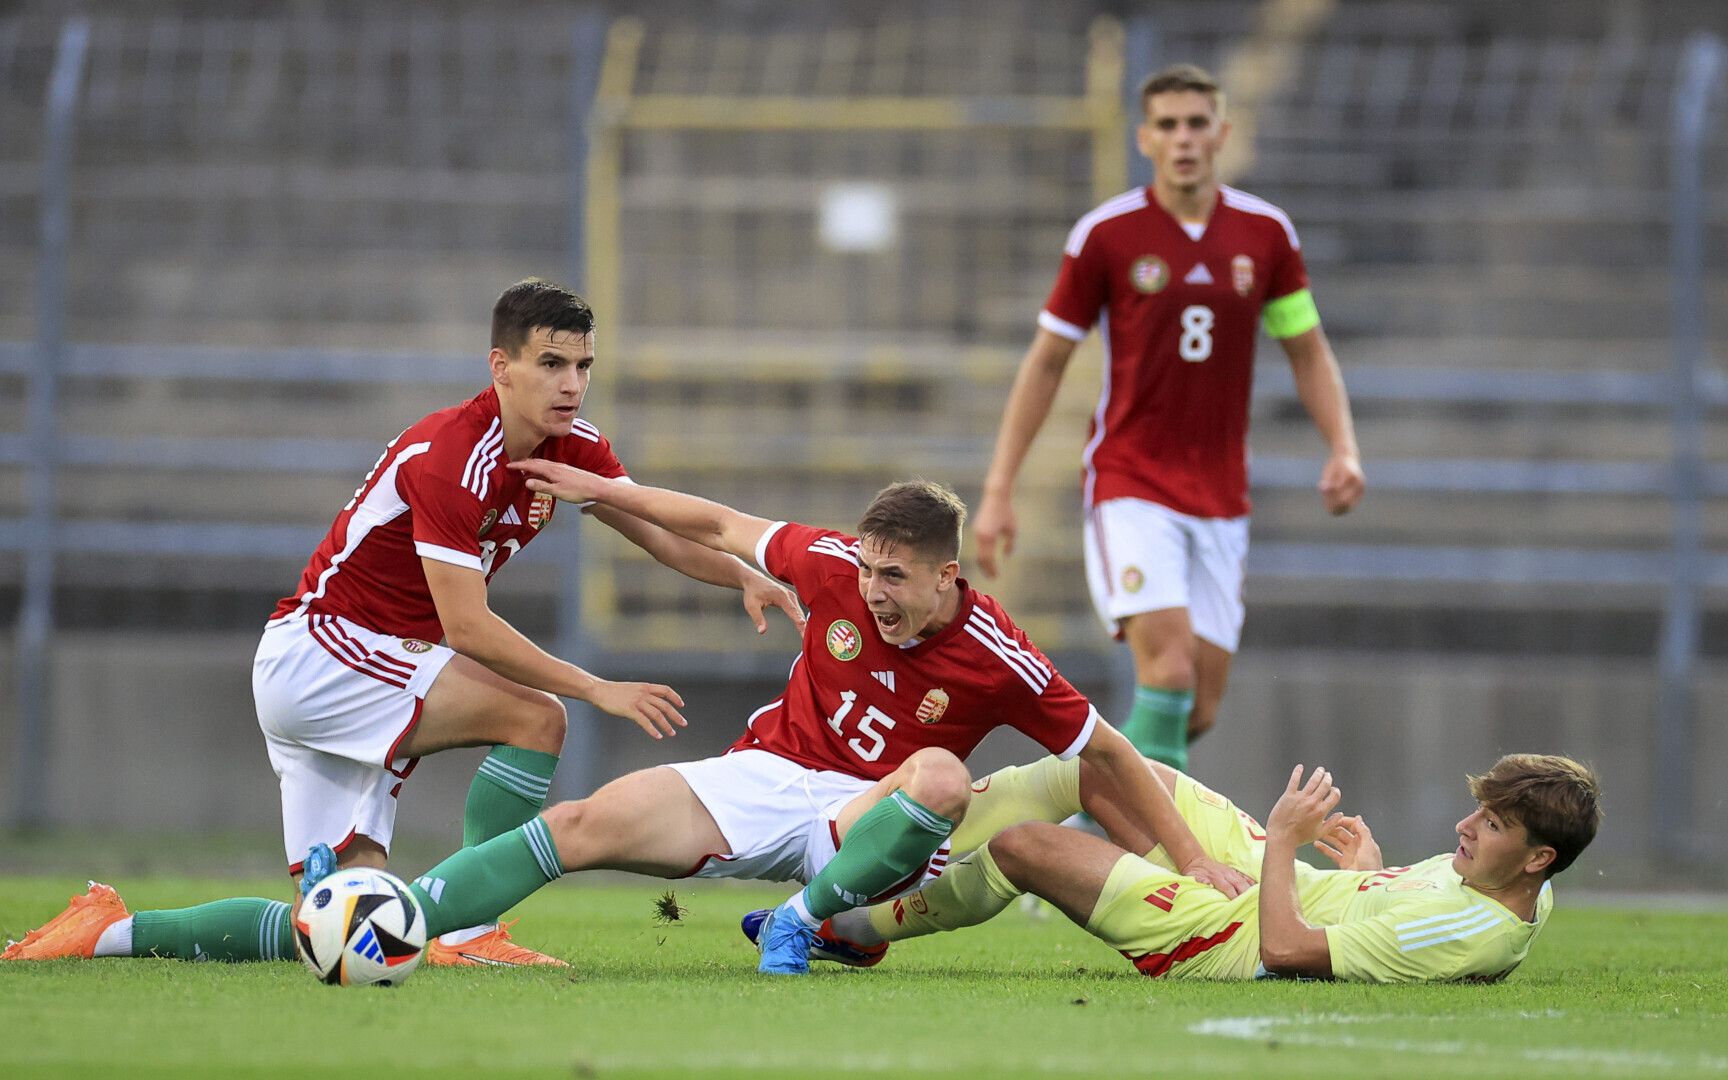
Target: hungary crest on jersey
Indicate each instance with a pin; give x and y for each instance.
(844, 640)
(540, 510)
(935, 703)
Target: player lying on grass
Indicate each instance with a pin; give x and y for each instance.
(350, 685)
(852, 779)
(1467, 915)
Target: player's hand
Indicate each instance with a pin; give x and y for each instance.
(1341, 483)
(1301, 811)
(650, 706)
(565, 482)
(995, 521)
(1348, 842)
(1226, 879)
(761, 593)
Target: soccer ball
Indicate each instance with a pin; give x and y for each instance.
(361, 927)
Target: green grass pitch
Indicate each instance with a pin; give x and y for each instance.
(1605, 993)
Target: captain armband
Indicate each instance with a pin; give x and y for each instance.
(1290, 315)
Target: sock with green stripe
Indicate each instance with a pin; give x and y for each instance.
(509, 789)
(244, 928)
(480, 883)
(893, 839)
(1158, 724)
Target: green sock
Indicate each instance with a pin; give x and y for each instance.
(247, 928)
(1158, 724)
(508, 790)
(478, 884)
(893, 839)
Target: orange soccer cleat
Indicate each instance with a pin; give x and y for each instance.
(74, 931)
(493, 948)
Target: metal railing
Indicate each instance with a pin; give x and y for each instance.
(1687, 480)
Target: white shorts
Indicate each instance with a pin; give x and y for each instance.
(335, 700)
(1141, 557)
(778, 817)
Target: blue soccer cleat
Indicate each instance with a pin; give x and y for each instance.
(827, 946)
(320, 863)
(785, 943)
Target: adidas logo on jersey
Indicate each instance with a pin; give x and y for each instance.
(886, 678)
(1199, 275)
(510, 517)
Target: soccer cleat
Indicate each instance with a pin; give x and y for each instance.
(785, 943)
(73, 932)
(493, 948)
(320, 863)
(827, 946)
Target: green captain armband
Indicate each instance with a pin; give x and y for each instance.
(1290, 315)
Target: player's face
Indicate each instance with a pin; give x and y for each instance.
(544, 382)
(910, 595)
(1182, 135)
(1493, 853)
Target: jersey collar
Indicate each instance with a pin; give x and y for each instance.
(1175, 222)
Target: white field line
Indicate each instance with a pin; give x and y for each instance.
(1288, 1030)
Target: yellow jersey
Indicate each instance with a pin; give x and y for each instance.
(1417, 923)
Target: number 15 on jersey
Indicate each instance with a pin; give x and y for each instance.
(867, 725)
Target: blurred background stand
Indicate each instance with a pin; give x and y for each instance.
(816, 243)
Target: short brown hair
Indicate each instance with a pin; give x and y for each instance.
(532, 304)
(1179, 77)
(924, 516)
(1556, 799)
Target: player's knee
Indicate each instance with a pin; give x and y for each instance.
(940, 782)
(542, 724)
(1172, 668)
(1016, 849)
(567, 818)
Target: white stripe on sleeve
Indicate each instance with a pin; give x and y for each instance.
(447, 555)
(1061, 327)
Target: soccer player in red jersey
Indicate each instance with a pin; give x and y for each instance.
(351, 683)
(853, 778)
(1176, 277)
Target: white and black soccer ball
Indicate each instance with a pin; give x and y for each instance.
(361, 927)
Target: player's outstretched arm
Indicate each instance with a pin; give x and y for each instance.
(693, 560)
(1035, 387)
(1288, 945)
(692, 517)
(472, 629)
(1320, 385)
(1147, 801)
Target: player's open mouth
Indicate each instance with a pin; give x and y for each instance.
(1463, 852)
(887, 622)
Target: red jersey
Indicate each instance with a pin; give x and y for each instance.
(856, 704)
(440, 491)
(1178, 317)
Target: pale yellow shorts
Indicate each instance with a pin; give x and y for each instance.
(1172, 925)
